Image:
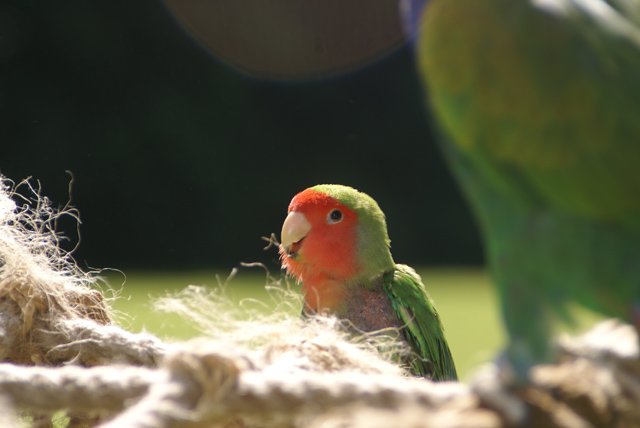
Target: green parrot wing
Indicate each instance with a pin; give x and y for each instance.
(423, 328)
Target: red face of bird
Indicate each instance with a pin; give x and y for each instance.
(319, 236)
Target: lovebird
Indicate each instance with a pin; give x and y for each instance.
(538, 104)
(334, 241)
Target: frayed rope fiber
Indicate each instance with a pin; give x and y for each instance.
(61, 350)
(40, 285)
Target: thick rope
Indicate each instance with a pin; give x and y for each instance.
(595, 386)
(46, 389)
(89, 343)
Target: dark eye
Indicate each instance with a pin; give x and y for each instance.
(335, 216)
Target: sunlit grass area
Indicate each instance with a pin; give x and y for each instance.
(464, 298)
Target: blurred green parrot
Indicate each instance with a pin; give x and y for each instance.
(538, 103)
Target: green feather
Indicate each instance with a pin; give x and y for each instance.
(423, 329)
(543, 96)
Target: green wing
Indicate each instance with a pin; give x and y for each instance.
(423, 328)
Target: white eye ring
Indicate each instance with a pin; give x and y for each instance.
(334, 216)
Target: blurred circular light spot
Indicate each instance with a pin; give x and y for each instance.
(293, 39)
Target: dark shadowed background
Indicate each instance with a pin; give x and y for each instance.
(180, 161)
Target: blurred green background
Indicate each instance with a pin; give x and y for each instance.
(464, 298)
(181, 163)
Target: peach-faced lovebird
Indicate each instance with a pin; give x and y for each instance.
(335, 242)
(539, 104)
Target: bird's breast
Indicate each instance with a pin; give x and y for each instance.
(369, 309)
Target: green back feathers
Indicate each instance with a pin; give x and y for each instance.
(374, 254)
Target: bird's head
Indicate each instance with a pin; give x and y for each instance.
(334, 232)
